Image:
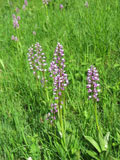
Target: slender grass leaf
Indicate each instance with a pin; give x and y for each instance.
(60, 150)
(112, 158)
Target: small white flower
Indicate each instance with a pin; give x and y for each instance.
(29, 158)
(60, 106)
(38, 77)
(98, 90)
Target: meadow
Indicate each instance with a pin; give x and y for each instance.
(83, 128)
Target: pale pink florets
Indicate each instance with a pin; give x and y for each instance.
(15, 21)
(93, 79)
(60, 80)
(14, 38)
(37, 60)
(45, 2)
(61, 6)
(25, 2)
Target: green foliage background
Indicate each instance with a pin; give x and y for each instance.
(89, 36)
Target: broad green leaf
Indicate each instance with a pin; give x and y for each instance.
(92, 154)
(93, 142)
(102, 142)
(106, 139)
(59, 128)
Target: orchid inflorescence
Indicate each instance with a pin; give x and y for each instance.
(34, 33)
(60, 81)
(93, 78)
(25, 4)
(14, 38)
(15, 21)
(61, 6)
(17, 10)
(37, 60)
(45, 2)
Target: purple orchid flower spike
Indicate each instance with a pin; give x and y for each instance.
(60, 80)
(93, 85)
(37, 61)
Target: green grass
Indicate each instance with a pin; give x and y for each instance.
(89, 36)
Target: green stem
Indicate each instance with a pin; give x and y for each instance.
(46, 11)
(62, 122)
(19, 46)
(96, 117)
(64, 109)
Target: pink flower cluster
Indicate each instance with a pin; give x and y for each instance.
(25, 4)
(93, 78)
(34, 33)
(15, 21)
(37, 60)
(14, 38)
(45, 2)
(86, 4)
(61, 6)
(60, 80)
(17, 10)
